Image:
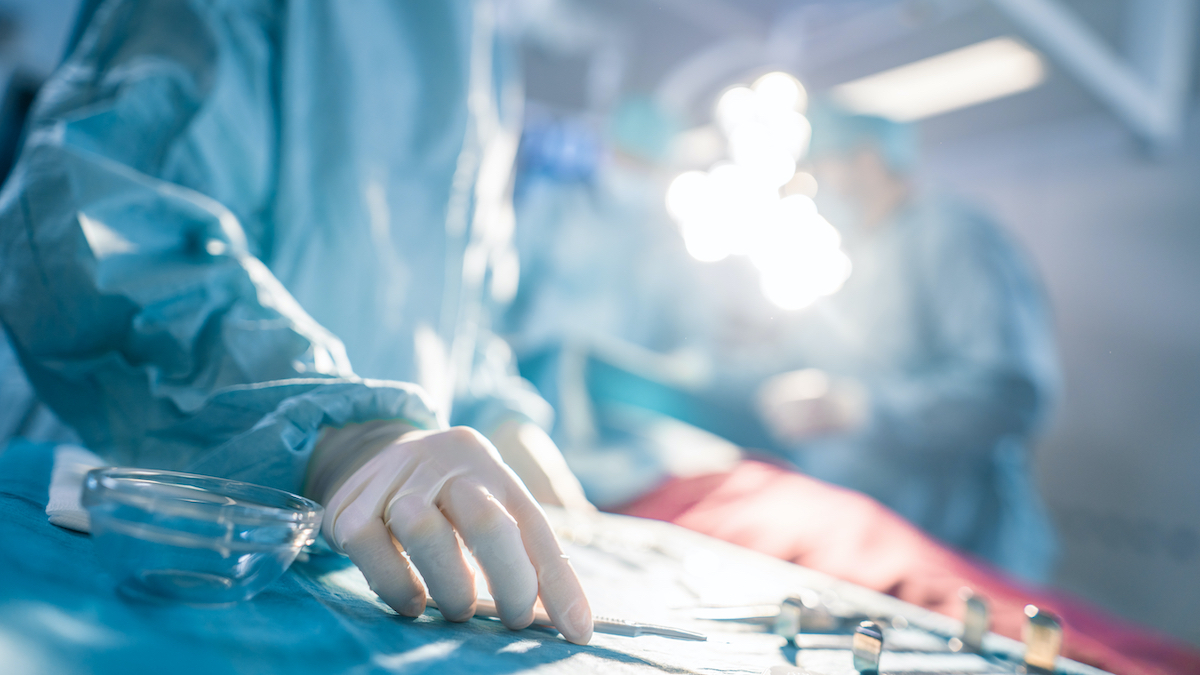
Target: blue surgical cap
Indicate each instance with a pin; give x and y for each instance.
(838, 132)
(642, 127)
(564, 150)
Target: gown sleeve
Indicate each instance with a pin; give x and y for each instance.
(131, 237)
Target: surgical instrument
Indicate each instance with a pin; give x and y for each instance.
(1043, 640)
(486, 608)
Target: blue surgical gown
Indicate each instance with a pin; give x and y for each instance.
(236, 222)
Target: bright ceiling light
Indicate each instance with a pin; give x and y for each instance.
(758, 150)
(687, 194)
(781, 90)
(735, 209)
(735, 107)
(964, 77)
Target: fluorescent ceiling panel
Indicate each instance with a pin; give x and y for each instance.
(964, 77)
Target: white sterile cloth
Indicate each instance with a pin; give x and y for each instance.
(71, 464)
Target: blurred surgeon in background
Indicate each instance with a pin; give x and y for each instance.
(920, 383)
(683, 393)
(925, 378)
(255, 240)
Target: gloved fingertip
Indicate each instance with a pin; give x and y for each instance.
(414, 608)
(582, 639)
(458, 615)
(411, 608)
(520, 621)
(579, 635)
(577, 624)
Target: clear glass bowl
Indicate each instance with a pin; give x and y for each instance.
(194, 539)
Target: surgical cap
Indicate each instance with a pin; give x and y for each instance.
(641, 127)
(838, 132)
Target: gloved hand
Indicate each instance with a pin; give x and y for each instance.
(807, 403)
(536, 459)
(394, 498)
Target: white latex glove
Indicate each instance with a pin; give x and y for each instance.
(807, 403)
(405, 495)
(536, 459)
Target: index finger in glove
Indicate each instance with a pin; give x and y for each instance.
(559, 588)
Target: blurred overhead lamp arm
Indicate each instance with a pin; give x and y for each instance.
(1146, 89)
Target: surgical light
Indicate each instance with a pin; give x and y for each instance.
(761, 150)
(720, 212)
(686, 195)
(705, 240)
(736, 106)
(808, 276)
(765, 116)
(799, 259)
(735, 208)
(781, 90)
(956, 79)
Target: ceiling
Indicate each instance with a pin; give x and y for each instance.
(823, 42)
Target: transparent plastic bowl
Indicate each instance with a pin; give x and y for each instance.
(194, 539)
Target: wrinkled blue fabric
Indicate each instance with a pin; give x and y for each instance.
(234, 223)
(943, 320)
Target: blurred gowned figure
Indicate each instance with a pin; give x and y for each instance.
(926, 377)
(920, 383)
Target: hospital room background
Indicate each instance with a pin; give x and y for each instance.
(1089, 158)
